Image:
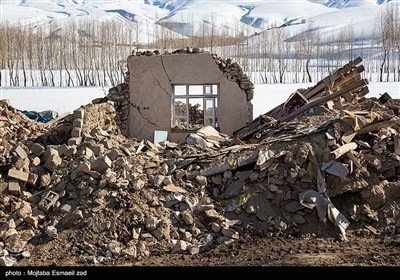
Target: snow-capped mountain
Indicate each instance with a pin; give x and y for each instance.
(185, 17)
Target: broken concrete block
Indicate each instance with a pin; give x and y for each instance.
(20, 152)
(62, 149)
(151, 223)
(18, 175)
(53, 161)
(72, 219)
(194, 250)
(45, 180)
(98, 149)
(76, 132)
(211, 214)
(84, 167)
(187, 217)
(167, 180)
(204, 207)
(79, 113)
(51, 232)
(10, 235)
(138, 184)
(215, 227)
(24, 211)
(32, 220)
(74, 141)
(113, 154)
(202, 180)
(231, 233)
(114, 247)
(78, 123)
(180, 247)
(14, 188)
(136, 233)
(35, 161)
(101, 164)
(27, 235)
(33, 180)
(37, 149)
(130, 251)
(3, 187)
(48, 201)
(65, 208)
(108, 144)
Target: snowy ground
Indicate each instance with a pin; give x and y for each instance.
(266, 96)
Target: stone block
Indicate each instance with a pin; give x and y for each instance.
(33, 180)
(101, 164)
(71, 150)
(62, 149)
(37, 149)
(76, 132)
(231, 233)
(65, 208)
(84, 167)
(53, 161)
(48, 201)
(74, 141)
(78, 123)
(79, 113)
(18, 175)
(20, 152)
(24, 211)
(3, 187)
(31, 220)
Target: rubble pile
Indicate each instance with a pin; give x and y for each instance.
(319, 163)
(120, 96)
(107, 195)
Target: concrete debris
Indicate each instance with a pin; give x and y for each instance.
(122, 198)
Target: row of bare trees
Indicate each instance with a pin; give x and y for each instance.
(85, 53)
(81, 54)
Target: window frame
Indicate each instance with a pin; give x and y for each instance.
(205, 96)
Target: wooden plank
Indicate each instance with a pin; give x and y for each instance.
(53, 121)
(325, 99)
(321, 85)
(343, 150)
(377, 126)
(353, 158)
(363, 92)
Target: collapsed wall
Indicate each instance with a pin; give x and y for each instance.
(120, 94)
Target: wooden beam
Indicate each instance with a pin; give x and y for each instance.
(53, 121)
(378, 125)
(325, 99)
(338, 74)
(353, 158)
(343, 150)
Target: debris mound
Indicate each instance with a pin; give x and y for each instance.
(327, 162)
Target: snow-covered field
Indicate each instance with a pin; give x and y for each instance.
(266, 96)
